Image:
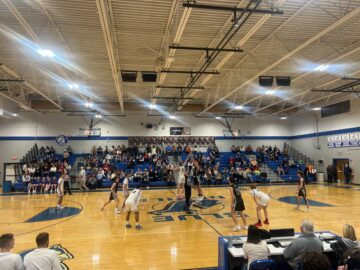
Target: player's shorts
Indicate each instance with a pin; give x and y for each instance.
(238, 204)
(302, 192)
(264, 201)
(131, 206)
(113, 196)
(181, 180)
(196, 181)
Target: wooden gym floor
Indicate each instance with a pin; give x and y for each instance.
(91, 239)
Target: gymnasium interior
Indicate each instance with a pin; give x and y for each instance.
(264, 93)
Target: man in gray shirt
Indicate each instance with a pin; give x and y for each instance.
(306, 242)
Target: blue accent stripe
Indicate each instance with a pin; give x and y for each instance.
(293, 200)
(52, 213)
(222, 138)
(326, 133)
(71, 138)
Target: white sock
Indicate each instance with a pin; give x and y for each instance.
(127, 223)
(137, 223)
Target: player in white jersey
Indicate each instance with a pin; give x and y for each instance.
(180, 182)
(60, 190)
(125, 187)
(131, 205)
(262, 201)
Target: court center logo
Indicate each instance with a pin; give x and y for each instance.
(62, 253)
(179, 206)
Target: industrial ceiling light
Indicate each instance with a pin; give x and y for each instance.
(238, 107)
(99, 116)
(73, 86)
(269, 92)
(15, 114)
(45, 53)
(172, 117)
(283, 118)
(218, 118)
(321, 67)
(152, 106)
(88, 104)
(316, 109)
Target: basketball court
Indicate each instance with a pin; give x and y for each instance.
(171, 239)
(177, 93)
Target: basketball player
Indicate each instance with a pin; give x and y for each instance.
(180, 182)
(301, 191)
(113, 196)
(237, 203)
(60, 190)
(131, 205)
(187, 190)
(125, 187)
(196, 179)
(261, 200)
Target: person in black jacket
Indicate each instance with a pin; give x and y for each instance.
(348, 173)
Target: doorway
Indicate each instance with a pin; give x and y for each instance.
(339, 164)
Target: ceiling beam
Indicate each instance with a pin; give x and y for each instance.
(169, 59)
(22, 104)
(34, 36)
(240, 44)
(328, 29)
(314, 100)
(107, 24)
(13, 74)
(272, 11)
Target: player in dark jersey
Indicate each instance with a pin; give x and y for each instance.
(187, 189)
(197, 179)
(113, 196)
(301, 191)
(236, 203)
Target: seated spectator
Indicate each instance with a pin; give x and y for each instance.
(8, 260)
(91, 182)
(345, 243)
(315, 261)
(352, 257)
(42, 257)
(292, 163)
(306, 242)
(138, 176)
(349, 237)
(170, 179)
(208, 176)
(280, 170)
(254, 248)
(248, 149)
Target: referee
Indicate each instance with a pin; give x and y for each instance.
(66, 183)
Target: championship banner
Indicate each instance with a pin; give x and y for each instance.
(337, 140)
(330, 141)
(345, 140)
(354, 139)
